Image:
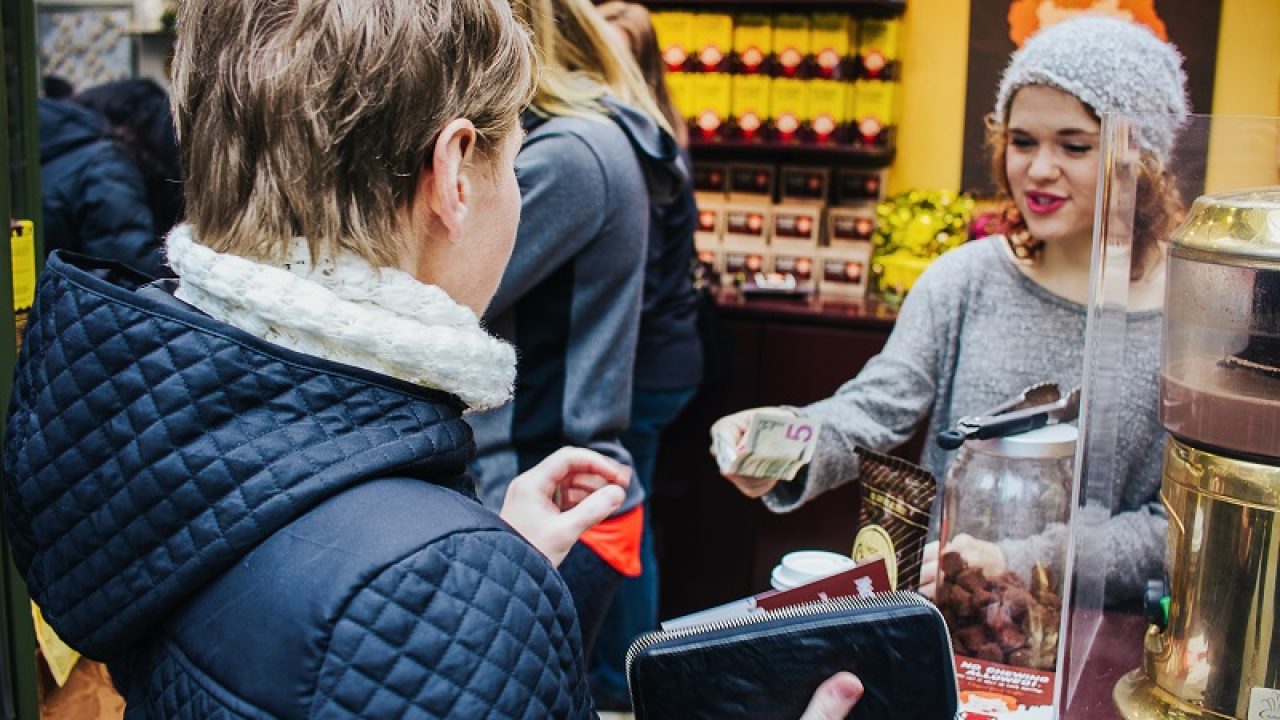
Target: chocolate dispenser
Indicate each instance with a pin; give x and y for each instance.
(1219, 654)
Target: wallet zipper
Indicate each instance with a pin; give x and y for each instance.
(818, 607)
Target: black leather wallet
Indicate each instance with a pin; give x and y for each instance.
(767, 665)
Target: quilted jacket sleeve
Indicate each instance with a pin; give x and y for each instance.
(476, 625)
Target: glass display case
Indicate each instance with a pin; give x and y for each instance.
(1205, 645)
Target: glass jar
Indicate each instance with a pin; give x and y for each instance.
(1220, 374)
(1001, 596)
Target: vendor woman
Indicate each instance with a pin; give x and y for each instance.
(997, 315)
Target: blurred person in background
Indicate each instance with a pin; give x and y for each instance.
(93, 195)
(668, 360)
(597, 155)
(142, 123)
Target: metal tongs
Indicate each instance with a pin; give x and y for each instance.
(1039, 405)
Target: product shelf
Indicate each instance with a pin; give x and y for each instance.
(870, 8)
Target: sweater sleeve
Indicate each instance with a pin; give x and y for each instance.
(476, 625)
(881, 407)
(563, 188)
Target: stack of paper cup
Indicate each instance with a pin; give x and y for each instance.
(804, 566)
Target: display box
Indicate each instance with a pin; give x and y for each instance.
(675, 38)
(710, 258)
(752, 43)
(789, 105)
(746, 223)
(874, 110)
(878, 48)
(751, 113)
(845, 270)
(790, 44)
(710, 227)
(800, 264)
(712, 103)
(850, 226)
(713, 41)
(827, 111)
(680, 87)
(830, 46)
(795, 225)
(859, 187)
(742, 258)
(751, 183)
(710, 182)
(801, 184)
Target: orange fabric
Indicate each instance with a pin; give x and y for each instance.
(617, 541)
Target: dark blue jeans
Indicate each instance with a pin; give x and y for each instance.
(635, 607)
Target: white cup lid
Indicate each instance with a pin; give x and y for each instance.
(814, 564)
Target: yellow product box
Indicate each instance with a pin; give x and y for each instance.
(804, 185)
(827, 110)
(712, 101)
(878, 47)
(746, 223)
(751, 183)
(844, 271)
(789, 104)
(710, 227)
(752, 42)
(797, 263)
(675, 33)
(874, 110)
(795, 226)
(850, 226)
(829, 43)
(790, 43)
(712, 41)
(680, 88)
(742, 258)
(751, 105)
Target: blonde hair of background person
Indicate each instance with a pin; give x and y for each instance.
(633, 22)
(582, 62)
(254, 183)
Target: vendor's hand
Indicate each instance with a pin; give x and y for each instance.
(986, 556)
(561, 497)
(834, 698)
(729, 431)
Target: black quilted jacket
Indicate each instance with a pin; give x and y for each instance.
(244, 531)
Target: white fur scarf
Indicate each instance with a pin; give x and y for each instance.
(347, 311)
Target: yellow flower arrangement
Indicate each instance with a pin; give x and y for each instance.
(912, 229)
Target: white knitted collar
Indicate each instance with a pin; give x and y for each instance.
(347, 311)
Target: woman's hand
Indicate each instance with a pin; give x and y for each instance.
(561, 497)
(834, 698)
(727, 435)
(986, 556)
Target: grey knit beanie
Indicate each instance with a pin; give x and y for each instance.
(1110, 65)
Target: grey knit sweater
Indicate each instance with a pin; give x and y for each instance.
(973, 333)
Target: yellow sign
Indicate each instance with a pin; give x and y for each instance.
(22, 246)
(874, 541)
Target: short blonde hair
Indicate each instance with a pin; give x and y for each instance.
(582, 61)
(302, 118)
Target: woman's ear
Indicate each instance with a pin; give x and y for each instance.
(446, 181)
